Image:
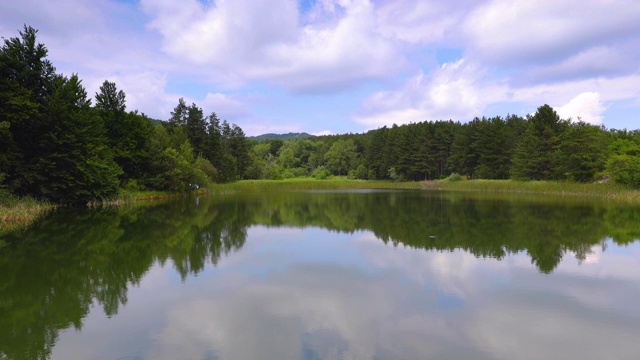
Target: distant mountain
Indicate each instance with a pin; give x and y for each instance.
(288, 136)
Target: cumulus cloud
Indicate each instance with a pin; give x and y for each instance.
(457, 91)
(322, 133)
(514, 32)
(245, 44)
(586, 107)
(516, 54)
(145, 91)
(461, 91)
(422, 22)
(229, 105)
(601, 61)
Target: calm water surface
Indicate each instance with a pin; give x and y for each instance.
(326, 275)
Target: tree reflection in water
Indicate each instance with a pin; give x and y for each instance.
(51, 274)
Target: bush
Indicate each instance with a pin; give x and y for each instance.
(206, 167)
(321, 173)
(361, 172)
(300, 172)
(287, 174)
(454, 177)
(132, 186)
(625, 169)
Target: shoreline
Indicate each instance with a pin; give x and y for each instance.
(605, 191)
(22, 213)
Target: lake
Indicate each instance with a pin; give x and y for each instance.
(326, 275)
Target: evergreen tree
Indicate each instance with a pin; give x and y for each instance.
(534, 154)
(127, 133)
(26, 81)
(77, 164)
(464, 158)
(213, 148)
(179, 114)
(239, 149)
(196, 128)
(374, 154)
(582, 152)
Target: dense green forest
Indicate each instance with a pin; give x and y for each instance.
(537, 147)
(56, 145)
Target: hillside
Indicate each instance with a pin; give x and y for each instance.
(288, 136)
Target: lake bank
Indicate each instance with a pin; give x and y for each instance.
(609, 191)
(21, 213)
(301, 184)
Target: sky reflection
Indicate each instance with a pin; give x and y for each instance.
(291, 293)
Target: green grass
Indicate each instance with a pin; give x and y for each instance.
(297, 184)
(606, 190)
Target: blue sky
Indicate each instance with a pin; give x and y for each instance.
(336, 66)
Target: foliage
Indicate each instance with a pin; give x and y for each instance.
(56, 146)
(321, 173)
(280, 137)
(625, 169)
(537, 148)
(340, 157)
(454, 177)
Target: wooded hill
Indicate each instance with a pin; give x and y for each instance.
(287, 136)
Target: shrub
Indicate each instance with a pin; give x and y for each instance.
(625, 169)
(321, 173)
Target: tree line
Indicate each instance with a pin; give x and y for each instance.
(541, 146)
(56, 145)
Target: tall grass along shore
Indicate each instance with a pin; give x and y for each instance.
(609, 190)
(301, 184)
(17, 213)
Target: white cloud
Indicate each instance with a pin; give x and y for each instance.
(322, 133)
(144, 91)
(235, 40)
(225, 105)
(586, 106)
(511, 32)
(422, 21)
(596, 61)
(457, 91)
(517, 54)
(461, 91)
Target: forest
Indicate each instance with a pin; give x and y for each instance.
(56, 144)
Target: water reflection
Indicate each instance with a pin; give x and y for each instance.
(310, 293)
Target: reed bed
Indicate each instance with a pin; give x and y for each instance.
(609, 190)
(302, 184)
(16, 214)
